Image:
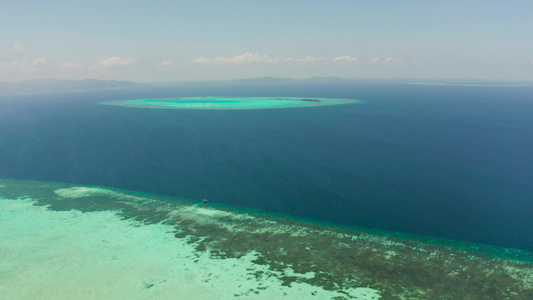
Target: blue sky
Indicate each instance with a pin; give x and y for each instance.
(205, 40)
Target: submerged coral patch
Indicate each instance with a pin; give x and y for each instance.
(226, 103)
(61, 241)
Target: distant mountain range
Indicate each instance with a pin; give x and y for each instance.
(268, 80)
(53, 85)
(50, 85)
(335, 79)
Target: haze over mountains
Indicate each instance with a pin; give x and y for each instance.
(275, 80)
(55, 85)
(50, 85)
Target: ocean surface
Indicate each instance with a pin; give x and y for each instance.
(442, 161)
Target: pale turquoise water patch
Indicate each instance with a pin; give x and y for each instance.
(229, 102)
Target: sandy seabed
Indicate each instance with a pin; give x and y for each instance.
(61, 241)
(49, 254)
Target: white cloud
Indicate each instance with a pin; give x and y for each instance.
(167, 64)
(240, 59)
(248, 58)
(22, 66)
(17, 47)
(345, 58)
(38, 61)
(273, 60)
(309, 59)
(397, 60)
(375, 60)
(116, 61)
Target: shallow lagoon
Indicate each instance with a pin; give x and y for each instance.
(71, 241)
(229, 102)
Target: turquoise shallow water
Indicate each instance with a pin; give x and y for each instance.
(229, 102)
(66, 241)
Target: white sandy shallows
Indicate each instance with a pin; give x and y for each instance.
(48, 254)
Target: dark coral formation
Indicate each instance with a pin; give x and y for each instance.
(401, 268)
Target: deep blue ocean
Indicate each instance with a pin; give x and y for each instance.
(444, 161)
